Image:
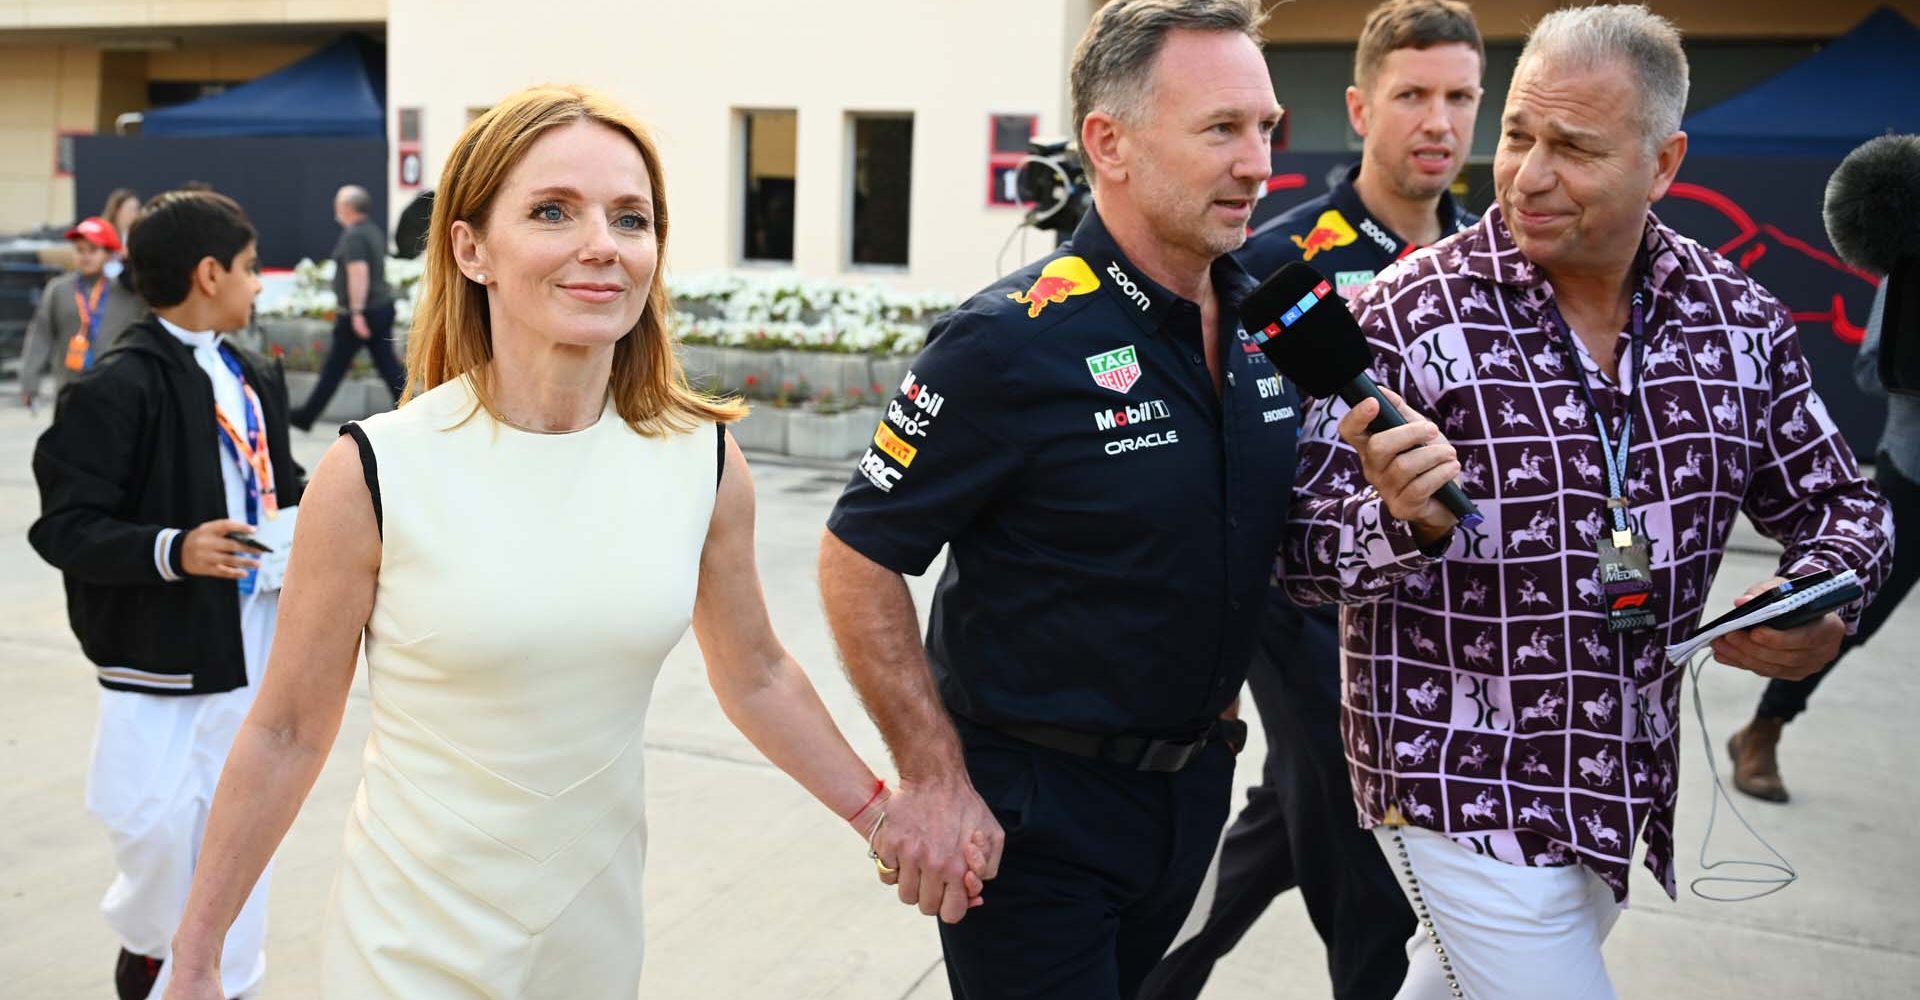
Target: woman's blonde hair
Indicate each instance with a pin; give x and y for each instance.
(452, 334)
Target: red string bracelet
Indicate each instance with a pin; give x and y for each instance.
(879, 785)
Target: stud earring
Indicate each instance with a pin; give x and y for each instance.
(481, 277)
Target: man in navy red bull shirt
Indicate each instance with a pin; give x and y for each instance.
(1110, 465)
(1415, 94)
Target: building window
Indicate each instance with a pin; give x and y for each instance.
(881, 183)
(769, 149)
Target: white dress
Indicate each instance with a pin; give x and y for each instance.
(530, 585)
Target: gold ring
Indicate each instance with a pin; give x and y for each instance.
(881, 866)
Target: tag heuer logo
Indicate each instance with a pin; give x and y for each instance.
(1116, 370)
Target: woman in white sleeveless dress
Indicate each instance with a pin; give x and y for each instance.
(521, 543)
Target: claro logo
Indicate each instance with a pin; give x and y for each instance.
(1126, 284)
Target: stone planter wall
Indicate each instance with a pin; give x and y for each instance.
(764, 429)
(889, 372)
(733, 366)
(826, 372)
(295, 334)
(822, 371)
(357, 398)
(830, 436)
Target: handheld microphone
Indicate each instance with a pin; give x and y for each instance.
(1318, 345)
(1872, 211)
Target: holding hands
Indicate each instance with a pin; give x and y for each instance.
(936, 842)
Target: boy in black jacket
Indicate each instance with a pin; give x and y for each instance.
(161, 456)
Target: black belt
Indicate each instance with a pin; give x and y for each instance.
(1165, 754)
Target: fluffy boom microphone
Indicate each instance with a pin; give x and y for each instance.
(1317, 344)
(1873, 217)
(1872, 208)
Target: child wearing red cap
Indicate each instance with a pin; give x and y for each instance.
(80, 314)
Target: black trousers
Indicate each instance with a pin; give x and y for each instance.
(1299, 828)
(1785, 699)
(1101, 866)
(346, 344)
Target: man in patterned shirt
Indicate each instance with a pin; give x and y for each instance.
(1510, 734)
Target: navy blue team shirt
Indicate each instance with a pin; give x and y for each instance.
(1111, 519)
(1337, 236)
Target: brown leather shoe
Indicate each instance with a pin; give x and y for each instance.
(1756, 771)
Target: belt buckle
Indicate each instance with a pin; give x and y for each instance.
(1169, 755)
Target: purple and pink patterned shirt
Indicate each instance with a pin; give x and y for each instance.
(1483, 696)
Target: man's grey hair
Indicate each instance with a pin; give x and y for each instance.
(1113, 64)
(357, 199)
(1643, 42)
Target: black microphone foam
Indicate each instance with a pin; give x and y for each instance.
(1872, 206)
(1306, 330)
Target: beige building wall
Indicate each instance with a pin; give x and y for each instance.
(42, 91)
(182, 13)
(686, 69)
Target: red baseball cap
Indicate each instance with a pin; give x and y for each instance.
(98, 232)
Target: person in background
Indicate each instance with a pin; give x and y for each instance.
(365, 315)
(122, 207)
(161, 458)
(80, 314)
(1756, 767)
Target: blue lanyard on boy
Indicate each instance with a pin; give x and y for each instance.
(255, 441)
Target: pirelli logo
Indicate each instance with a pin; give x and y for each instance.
(894, 446)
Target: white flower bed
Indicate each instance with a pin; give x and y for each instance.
(734, 309)
(718, 308)
(312, 293)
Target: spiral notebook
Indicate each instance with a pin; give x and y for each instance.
(1790, 604)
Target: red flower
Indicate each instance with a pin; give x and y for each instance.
(879, 390)
(278, 351)
(753, 380)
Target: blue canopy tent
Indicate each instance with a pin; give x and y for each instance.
(340, 90)
(280, 145)
(1756, 169)
(1859, 86)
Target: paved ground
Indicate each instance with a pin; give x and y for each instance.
(753, 891)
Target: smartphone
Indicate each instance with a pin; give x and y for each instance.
(249, 541)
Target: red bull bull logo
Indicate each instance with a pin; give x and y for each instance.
(1329, 231)
(1061, 278)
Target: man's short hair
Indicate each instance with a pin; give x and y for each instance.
(357, 199)
(1643, 42)
(1413, 24)
(174, 233)
(1113, 64)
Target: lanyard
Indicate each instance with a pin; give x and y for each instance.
(1616, 461)
(90, 312)
(249, 450)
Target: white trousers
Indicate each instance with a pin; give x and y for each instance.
(156, 762)
(1489, 930)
